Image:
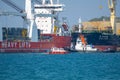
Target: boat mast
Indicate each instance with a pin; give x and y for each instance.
(112, 7)
(80, 25)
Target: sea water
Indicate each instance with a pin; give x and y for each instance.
(73, 66)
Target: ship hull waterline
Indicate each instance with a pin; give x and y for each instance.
(100, 48)
(41, 46)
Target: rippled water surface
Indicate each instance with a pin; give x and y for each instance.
(73, 66)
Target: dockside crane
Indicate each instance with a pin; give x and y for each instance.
(112, 7)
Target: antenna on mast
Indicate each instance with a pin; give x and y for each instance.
(80, 25)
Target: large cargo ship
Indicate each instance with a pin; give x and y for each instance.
(42, 32)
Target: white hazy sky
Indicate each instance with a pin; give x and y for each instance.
(86, 9)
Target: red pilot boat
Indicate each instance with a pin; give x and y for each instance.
(55, 50)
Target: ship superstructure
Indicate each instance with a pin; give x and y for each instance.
(47, 16)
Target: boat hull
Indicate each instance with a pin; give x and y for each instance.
(41, 46)
(58, 52)
(55, 50)
(106, 48)
(100, 48)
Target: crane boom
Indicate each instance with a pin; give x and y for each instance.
(13, 5)
(13, 13)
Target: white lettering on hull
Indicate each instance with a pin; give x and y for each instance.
(16, 45)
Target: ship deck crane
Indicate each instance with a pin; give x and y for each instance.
(26, 14)
(13, 5)
(29, 15)
(19, 13)
(112, 7)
